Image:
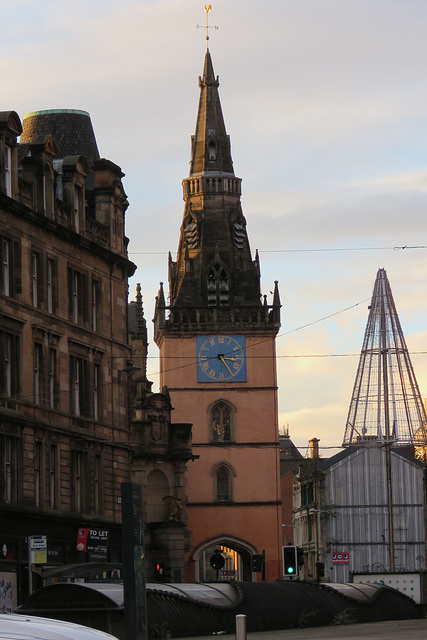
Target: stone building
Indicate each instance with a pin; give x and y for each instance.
(217, 358)
(290, 460)
(64, 349)
(161, 450)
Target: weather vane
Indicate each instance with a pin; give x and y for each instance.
(208, 9)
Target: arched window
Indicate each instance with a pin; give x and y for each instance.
(222, 475)
(156, 489)
(221, 422)
(211, 151)
(217, 285)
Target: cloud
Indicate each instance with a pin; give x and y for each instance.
(325, 106)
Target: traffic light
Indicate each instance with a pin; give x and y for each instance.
(300, 556)
(256, 563)
(159, 570)
(290, 561)
(320, 569)
(217, 561)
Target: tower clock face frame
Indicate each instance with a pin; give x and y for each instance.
(221, 358)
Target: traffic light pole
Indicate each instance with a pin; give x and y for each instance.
(263, 565)
(290, 562)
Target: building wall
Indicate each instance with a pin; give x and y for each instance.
(361, 513)
(356, 494)
(63, 337)
(252, 516)
(286, 483)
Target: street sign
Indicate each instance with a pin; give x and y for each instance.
(37, 547)
(340, 557)
(230, 573)
(37, 554)
(217, 561)
(38, 542)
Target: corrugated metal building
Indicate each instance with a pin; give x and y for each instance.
(362, 510)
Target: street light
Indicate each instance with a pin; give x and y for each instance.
(291, 526)
(129, 369)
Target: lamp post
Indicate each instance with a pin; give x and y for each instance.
(129, 369)
(319, 542)
(291, 526)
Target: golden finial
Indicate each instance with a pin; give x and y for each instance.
(208, 9)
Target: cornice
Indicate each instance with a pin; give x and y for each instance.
(64, 233)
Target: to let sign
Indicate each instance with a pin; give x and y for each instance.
(340, 557)
(94, 541)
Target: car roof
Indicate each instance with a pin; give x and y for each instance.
(22, 627)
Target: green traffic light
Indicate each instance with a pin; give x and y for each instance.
(290, 569)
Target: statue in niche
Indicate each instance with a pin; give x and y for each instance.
(175, 506)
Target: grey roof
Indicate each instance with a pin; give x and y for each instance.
(326, 463)
(288, 450)
(71, 130)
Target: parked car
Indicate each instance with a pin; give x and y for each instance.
(22, 627)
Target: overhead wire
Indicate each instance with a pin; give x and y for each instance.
(314, 250)
(280, 335)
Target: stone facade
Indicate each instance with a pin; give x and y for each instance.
(63, 339)
(161, 450)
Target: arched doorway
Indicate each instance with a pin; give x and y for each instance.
(237, 560)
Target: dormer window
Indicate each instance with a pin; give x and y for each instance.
(10, 129)
(48, 191)
(77, 207)
(8, 171)
(217, 285)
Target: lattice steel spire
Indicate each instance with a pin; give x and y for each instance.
(386, 404)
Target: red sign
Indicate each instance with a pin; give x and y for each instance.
(340, 557)
(94, 541)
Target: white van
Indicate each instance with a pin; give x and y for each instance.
(22, 627)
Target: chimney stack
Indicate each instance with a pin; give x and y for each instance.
(314, 448)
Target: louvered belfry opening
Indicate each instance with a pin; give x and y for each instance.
(386, 404)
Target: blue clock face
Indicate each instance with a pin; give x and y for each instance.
(221, 359)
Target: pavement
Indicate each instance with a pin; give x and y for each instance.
(398, 629)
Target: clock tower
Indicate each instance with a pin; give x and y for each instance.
(218, 359)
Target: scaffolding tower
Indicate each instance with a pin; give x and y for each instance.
(386, 404)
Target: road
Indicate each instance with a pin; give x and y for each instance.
(398, 629)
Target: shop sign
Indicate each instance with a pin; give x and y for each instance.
(340, 557)
(94, 541)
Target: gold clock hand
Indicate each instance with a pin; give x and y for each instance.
(232, 359)
(224, 362)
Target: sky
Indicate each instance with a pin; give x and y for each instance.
(325, 104)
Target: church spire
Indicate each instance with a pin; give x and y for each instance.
(214, 274)
(210, 144)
